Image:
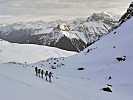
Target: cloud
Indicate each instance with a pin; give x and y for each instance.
(63, 9)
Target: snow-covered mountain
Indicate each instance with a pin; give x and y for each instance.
(99, 62)
(106, 63)
(72, 35)
(28, 53)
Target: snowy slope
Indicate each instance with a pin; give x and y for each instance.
(100, 63)
(18, 82)
(28, 52)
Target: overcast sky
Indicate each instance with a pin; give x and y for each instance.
(27, 10)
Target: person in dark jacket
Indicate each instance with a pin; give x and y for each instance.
(50, 75)
(39, 70)
(36, 71)
(42, 72)
(46, 75)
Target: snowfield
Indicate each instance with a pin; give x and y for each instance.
(28, 52)
(18, 81)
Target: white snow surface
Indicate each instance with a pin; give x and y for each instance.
(29, 53)
(18, 81)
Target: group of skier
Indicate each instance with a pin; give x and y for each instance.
(40, 73)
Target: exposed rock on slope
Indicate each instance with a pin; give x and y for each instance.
(128, 14)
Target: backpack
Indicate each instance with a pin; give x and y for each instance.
(42, 71)
(50, 74)
(36, 69)
(46, 73)
(39, 70)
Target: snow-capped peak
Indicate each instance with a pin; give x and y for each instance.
(101, 16)
(79, 32)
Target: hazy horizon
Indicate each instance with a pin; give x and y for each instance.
(48, 10)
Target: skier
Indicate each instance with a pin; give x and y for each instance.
(36, 71)
(42, 72)
(50, 75)
(46, 75)
(39, 70)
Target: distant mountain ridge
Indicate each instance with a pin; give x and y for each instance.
(72, 35)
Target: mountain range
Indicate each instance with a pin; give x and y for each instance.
(74, 35)
(88, 75)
